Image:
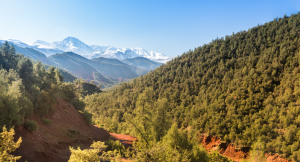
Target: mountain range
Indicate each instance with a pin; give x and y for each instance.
(71, 44)
(75, 57)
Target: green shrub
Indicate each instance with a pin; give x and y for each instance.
(69, 91)
(31, 125)
(79, 104)
(87, 116)
(44, 102)
(72, 132)
(89, 154)
(215, 156)
(46, 121)
(115, 145)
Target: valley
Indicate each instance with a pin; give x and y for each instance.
(234, 99)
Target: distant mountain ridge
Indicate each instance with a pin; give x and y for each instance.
(138, 70)
(105, 71)
(112, 70)
(71, 44)
(142, 63)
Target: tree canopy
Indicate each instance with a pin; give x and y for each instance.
(242, 88)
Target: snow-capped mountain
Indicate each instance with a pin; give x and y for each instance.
(124, 53)
(15, 42)
(71, 44)
(41, 43)
(44, 47)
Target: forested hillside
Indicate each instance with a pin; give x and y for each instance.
(39, 105)
(33, 54)
(68, 77)
(243, 88)
(27, 87)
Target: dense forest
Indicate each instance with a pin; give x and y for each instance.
(243, 88)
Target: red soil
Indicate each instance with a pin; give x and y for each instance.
(226, 149)
(230, 151)
(275, 158)
(126, 140)
(51, 142)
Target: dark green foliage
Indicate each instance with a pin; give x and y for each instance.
(69, 90)
(115, 145)
(14, 101)
(46, 121)
(86, 88)
(3, 63)
(67, 77)
(31, 125)
(44, 102)
(33, 54)
(26, 86)
(48, 87)
(25, 70)
(215, 156)
(79, 104)
(89, 88)
(242, 88)
(72, 133)
(8, 56)
(87, 116)
(177, 145)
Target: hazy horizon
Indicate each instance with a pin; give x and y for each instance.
(170, 28)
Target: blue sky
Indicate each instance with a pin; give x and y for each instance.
(167, 26)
